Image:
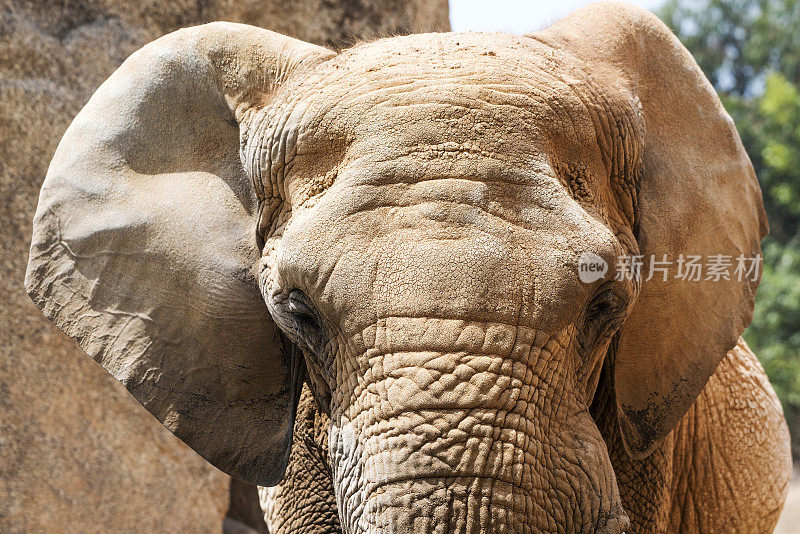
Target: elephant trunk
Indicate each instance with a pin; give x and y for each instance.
(470, 440)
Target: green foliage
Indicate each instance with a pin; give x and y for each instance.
(774, 329)
(780, 169)
(737, 41)
(774, 334)
(750, 50)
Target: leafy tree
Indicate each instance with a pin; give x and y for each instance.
(750, 51)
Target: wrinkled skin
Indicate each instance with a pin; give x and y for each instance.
(452, 374)
(422, 205)
(305, 500)
(736, 422)
(439, 401)
(721, 470)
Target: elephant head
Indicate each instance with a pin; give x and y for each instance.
(401, 225)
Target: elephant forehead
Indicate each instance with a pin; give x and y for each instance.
(499, 94)
(446, 102)
(446, 170)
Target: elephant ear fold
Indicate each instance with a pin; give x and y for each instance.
(144, 243)
(697, 195)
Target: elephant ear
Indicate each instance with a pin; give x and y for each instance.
(144, 243)
(697, 195)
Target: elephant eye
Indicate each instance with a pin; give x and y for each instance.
(604, 315)
(602, 304)
(295, 315)
(299, 309)
(300, 322)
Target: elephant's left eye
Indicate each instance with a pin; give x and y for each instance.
(603, 316)
(603, 303)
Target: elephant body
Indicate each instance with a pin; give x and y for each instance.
(737, 421)
(404, 227)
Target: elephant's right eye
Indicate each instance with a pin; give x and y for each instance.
(295, 314)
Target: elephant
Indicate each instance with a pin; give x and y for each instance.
(376, 254)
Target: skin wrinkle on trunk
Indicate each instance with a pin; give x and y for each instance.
(502, 449)
(653, 491)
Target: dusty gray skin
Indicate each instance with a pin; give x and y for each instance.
(401, 224)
